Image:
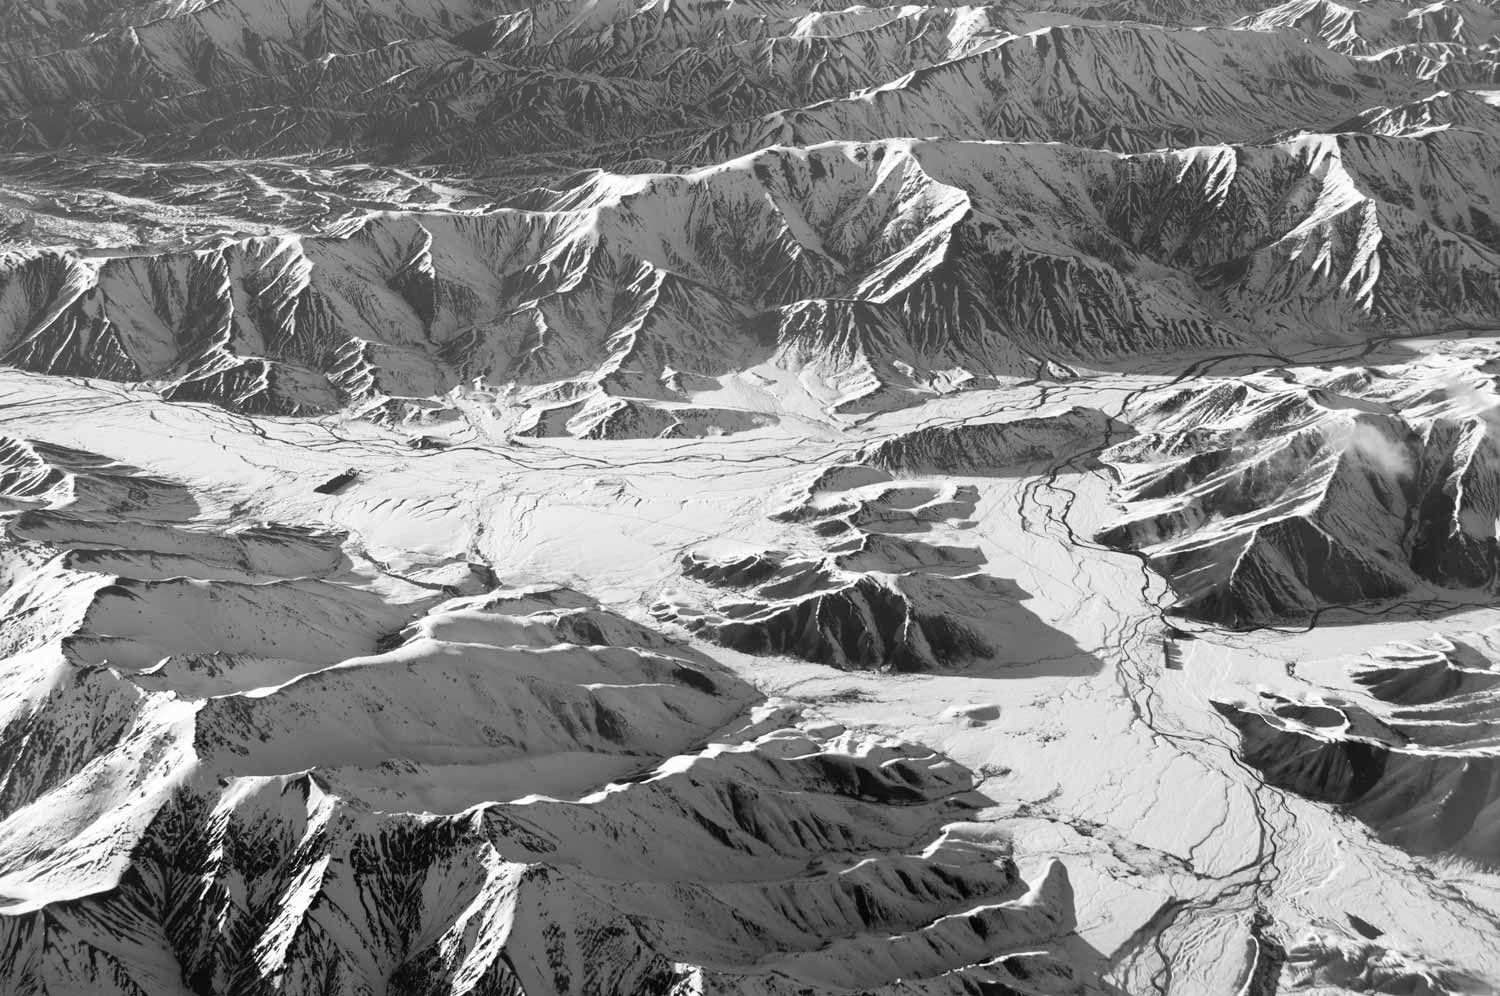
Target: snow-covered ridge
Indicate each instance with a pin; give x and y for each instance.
(1273, 497)
(548, 83)
(241, 757)
(1401, 736)
(878, 268)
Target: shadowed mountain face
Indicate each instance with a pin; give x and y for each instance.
(427, 82)
(1272, 497)
(871, 583)
(1402, 736)
(702, 498)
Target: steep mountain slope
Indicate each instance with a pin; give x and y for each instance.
(1403, 738)
(442, 82)
(867, 587)
(1265, 499)
(1451, 41)
(241, 761)
(1114, 86)
(871, 598)
(1000, 254)
(879, 271)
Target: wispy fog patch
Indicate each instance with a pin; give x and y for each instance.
(1392, 457)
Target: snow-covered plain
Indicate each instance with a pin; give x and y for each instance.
(763, 498)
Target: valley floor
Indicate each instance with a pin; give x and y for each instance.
(1093, 733)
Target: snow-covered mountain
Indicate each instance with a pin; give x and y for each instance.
(1274, 496)
(879, 272)
(249, 759)
(1402, 736)
(757, 498)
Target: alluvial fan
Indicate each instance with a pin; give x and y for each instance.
(771, 498)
